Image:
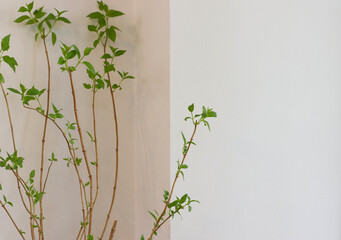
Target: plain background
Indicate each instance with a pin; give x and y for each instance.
(143, 120)
(270, 167)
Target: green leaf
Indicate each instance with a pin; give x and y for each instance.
(14, 90)
(106, 56)
(10, 61)
(142, 237)
(191, 107)
(95, 15)
(2, 80)
(5, 199)
(63, 19)
(114, 13)
(33, 91)
(86, 85)
(54, 38)
(0, 187)
(153, 215)
(32, 174)
(22, 9)
(89, 66)
(183, 198)
(86, 184)
(5, 43)
(71, 54)
(92, 28)
(111, 32)
(92, 139)
(30, 6)
(96, 42)
(87, 51)
(120, 53)
(61, 61)
(21, 19)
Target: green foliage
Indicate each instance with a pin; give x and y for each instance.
(11, 161)
(43, 21)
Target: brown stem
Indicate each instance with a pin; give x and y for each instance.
(96, 151)
(113, 229)
(9, 215)
(9, 115)
(175, 179)
(117, 144)
(164, 221)
(82, 141)
(47, 176)
(41, 219)
(16, 172)
(72, 154)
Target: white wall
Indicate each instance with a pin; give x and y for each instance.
(270, 168)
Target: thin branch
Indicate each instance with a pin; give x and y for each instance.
(81, 141)
(117, 144)
(9, 115)
(9, 215)
(174, 182)
(113, 229)
(41, 219)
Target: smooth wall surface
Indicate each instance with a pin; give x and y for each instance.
(143, 105)
(270, 167)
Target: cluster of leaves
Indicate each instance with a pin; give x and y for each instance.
(6, 202)
(42, 20)
(198, 118)
(28, 95)
(102, 28)
(32, 191)
(11, 161)
(105, 33)
(10, 61)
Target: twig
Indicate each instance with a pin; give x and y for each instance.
(9, 215)
(41, 219)
(117, 144)
(113, 229)
(81, 141)
(175, 179)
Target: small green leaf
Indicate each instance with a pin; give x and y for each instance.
(14, 90)
(114, 13)
(5, 43)
(33, 91)
(21, 19)
(10, 61)
(106, 56)
(71, 54)
(30, 6)
(86, 85)
(2, 80)
(92, 28)
(191, 107)
(61, 61)
(95, 15)
(0, 187)
(120, 53)
(54, 38)
(63, 19)
(22, 9)
(111, 32)
(89, 66)
(87, 51)
(32, 173)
